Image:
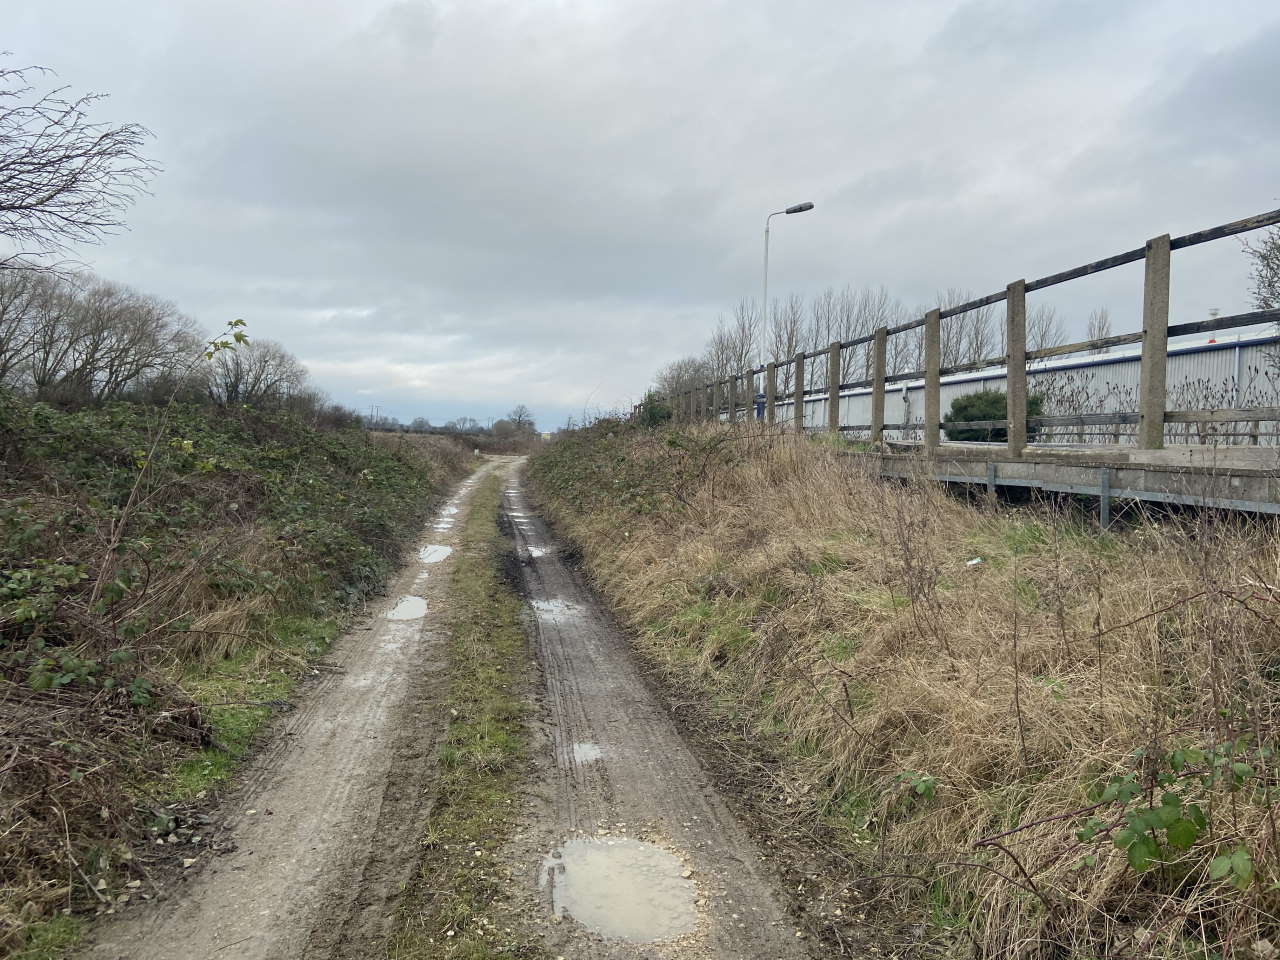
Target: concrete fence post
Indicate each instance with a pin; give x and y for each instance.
(732, 397)
(797, 407)
(715, 401)
(1155, 345)
(879, 360)
(833, 387)
(770, 393)
(1016, 365)
(932, 380)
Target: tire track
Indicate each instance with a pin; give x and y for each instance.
(619, 767)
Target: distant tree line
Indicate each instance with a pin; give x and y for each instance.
(748, 338)
(78, 339)
(515, 425)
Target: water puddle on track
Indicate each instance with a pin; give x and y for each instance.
(434, 553)
(621, 888)
(555, 608)
(536, 552)
(586, 753)
(408, 608)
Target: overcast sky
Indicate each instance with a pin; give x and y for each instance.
(449, 208)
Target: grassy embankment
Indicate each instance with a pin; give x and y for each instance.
(447, 911)
(166, 577)
(1062, 749)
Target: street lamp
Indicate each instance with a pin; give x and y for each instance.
(764, 301)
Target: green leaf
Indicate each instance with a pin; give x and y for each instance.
(1196, 815)
(1123, 839)
(1142, 852)
(1182, 834)
(1219, 867)
(1242, 867)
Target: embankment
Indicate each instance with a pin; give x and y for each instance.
(167, 577)
(999, 722)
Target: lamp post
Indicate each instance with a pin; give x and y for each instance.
(764, 300)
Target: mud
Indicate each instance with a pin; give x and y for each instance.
(322, 832)
(617, 778)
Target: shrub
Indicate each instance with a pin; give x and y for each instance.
(986, 405)
(653, 412)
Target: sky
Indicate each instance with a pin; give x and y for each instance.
(450, 208)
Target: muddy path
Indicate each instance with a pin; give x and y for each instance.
(322, 832)
(627, 849)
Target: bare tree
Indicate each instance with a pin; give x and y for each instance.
(734, 344)
(687, 373)
(16, 290)
(1265, 274)
(63, 178)
(785, 336)
(1044, 329)
(261, 373)
(1099, 326)
(521, 418)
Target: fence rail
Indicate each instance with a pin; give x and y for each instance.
(710, 400)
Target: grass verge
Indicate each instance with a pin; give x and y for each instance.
(446, 911)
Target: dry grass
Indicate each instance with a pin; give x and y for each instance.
(961, 719)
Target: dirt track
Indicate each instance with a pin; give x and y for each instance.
(620, 768)
(318, 840)
(323, 831)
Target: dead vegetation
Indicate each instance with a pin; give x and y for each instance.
(1057, 740)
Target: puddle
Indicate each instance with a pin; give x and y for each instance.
(586, 753)
(555, 608)
(537, 552)
(621, 888)
(434, 553)
(408, 608)
(449, 511)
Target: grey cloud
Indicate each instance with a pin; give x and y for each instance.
(463, 206)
